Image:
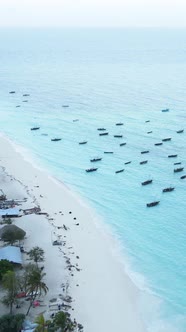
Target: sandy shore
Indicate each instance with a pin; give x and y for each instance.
(104, 298)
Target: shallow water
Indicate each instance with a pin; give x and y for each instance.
(110, 76)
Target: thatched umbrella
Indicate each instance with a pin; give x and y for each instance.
(11, 233)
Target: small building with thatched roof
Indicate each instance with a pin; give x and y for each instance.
(11, 233)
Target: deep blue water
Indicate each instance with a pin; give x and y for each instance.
(109, 76)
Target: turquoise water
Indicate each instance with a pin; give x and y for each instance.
(110, 76)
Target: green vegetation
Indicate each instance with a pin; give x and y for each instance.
(10, 284)
(5, 266)
(11, 323)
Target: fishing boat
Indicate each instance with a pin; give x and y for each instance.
(158, 144)
(75, 120)
(35, 128)
(165, 110)
(149, 132)
(103, 134)
(179, 163)
(11, 92)
(146, 151)
(83, 142)
(101, 129)
(179, 169)
(55, 139)
(153, 203)
(172, 155)
(25, 101)
(183, 177)
(146, 182)
(121, 170)
(119, 124)
(143, 162)
(166, 139)
(26, 95)
(108, 152)
(65, 106)
(18, 105)
(128, 162)
(168, 189)
(91, 170)
(95, 159)
(118, 136)
(121, 144)
(180, 131)
(147, 121)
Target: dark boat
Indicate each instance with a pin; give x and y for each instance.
(179, 163)
(75, 120)
(166, 139)
(158, 144)
(108, 152)
(91, 170)
(147, 121)
(103, 134)
(55, 139)
(35, 128)
(180, 131)
(128, 162)
(101, 129)
(146, 151)
(143, 162)
(119, 124)
(183, 177)
(26, 95)
(168, 189)
(118, 136)
(95, 159)
(149, 132)
(121, 170)
(25, 101)
(165, 110)
(180, 169)
(84, 142)
(12, 92)
(146, 182)
(153, 203)
(18, 106)
(172, 155)
(121, 144)
(65, 106)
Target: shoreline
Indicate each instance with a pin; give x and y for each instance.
(104, 297)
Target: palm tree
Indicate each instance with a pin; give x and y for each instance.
(35, 285)
(37, 254)
(42, 326)
(10, 283)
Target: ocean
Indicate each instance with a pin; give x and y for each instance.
(79, 80)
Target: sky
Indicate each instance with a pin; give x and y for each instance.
(93, 13)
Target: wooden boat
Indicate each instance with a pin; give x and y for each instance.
(95, 159)
(168, 189)
(101, 129)
(119, 124)
(55, 139)
(183, 177)
(128, 162)
(165, 110)
(146, 151)
(103, 134)
(108, 152)
(158, 144)
(121, 170)
(11, 92)
(25, 101)
(147, 121)
(146, 182)
(91, 170)
(18, 106)
(83, 142)
(166, 139)
(34, 128)
(179, 169)
(149, 132)
(180, 131)
(118, 136)
(121, 144)
(153, 203)
(75, 120)
(26, 95)
(172, 155)
(65, 106)
(179, 163)
(143, 162)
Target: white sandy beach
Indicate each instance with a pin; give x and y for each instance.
(104, 297)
